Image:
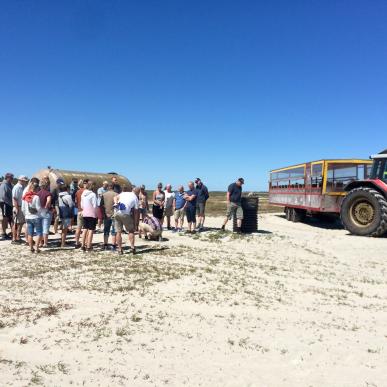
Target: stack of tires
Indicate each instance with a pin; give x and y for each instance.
(250, 215)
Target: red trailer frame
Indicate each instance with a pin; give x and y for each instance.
(317, 186)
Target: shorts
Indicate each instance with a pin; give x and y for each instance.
(108, 227)
(66, 222)
(145, 228)
(179, 214)
(143, 211)
(99, 213)
(168, 211)
(19, 217)
(89, 223)
(46, 223)
(122, 220)
(6, 211)
(158, 212)
(35, 226)
(200, 208)
(79, 220)
(234, 210)
(191, 214)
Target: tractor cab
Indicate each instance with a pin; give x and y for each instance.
(379, 167)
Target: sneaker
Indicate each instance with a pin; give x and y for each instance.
(6, 236)
(114, 248)
(223, 228)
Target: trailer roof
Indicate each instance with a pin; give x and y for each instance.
(355, 161)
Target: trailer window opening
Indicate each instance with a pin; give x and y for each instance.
(292, 178)
(339, 175)
(317, 175)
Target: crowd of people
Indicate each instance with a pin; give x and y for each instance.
(83, 209)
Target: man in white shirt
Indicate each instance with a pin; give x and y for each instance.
(168, 204)
(126, 204)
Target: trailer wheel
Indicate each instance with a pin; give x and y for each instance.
(364, 212)
(297, 215)
(288, 213)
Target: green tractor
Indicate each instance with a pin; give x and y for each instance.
(364, 209)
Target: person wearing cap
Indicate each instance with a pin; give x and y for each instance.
(158, 203)
(6, 203)
(143, 203)
(234, 204)
(168, 206)
(201, 200)
(17, 201)
(100, 192)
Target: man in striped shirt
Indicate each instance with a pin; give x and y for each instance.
(151, 228)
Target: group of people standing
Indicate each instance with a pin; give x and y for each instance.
(84, 208)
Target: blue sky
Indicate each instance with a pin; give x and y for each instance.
(173, 90)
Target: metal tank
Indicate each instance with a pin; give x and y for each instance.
(68, 176)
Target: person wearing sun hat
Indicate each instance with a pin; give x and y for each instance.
(17, 201)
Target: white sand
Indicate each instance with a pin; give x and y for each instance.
(296, 305)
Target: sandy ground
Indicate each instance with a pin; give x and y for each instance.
(294, 305)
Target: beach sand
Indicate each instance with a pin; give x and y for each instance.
(293, 305)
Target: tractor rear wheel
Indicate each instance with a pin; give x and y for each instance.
(364, 212)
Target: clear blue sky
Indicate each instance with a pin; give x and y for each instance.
(171, 90)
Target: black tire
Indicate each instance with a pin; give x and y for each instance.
(364, 212)
(288, 213)
(297, 215)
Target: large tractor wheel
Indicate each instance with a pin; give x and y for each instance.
(364, 212)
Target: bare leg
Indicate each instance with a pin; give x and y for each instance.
(119, 241)
(4, 224)
(63, 237)
(84, 235)
(90, 234)
(77, 235)
(38, 240)
(131, 239)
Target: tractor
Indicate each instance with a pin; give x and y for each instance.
(364, 208)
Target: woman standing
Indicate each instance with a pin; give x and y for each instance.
(89, 214)
(32, 210)
(158, 203)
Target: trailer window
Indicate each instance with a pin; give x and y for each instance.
(339, 175)
(317, 172)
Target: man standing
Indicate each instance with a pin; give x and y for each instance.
(126, 215)
(168, 204)
(100, 192)
(18, 216)
(116, 187)
(78, 196)
(107, 203)
(66, 211)
(179, 204)
(234, 206)
(202, 198)
(191, 196)
(6, 203)
(143, 202)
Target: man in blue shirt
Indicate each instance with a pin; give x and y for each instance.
(179, 205)
(234, 203)
(201, 202)
(191, 197)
